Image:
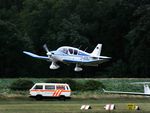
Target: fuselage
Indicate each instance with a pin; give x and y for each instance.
(71, 54)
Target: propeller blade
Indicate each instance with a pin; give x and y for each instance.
(46, 48)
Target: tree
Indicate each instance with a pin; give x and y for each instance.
(138, 46)
(70, 32)
(11, 46)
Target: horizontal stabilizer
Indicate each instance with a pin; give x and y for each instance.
(104, 57)
(36, 56)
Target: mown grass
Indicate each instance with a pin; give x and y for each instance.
(73, 106)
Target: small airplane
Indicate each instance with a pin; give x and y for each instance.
(67, 54)
(145, 93)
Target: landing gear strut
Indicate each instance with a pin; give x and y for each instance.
(54, 66)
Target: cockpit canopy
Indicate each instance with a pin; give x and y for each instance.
(68, 50)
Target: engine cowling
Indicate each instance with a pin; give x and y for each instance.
(54, 65)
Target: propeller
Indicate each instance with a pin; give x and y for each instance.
(50, 55)
(46, 48)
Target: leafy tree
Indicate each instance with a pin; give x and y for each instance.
(70, 32)
(35, 18)
(121, 26)
(139, 43)
(118, 69)
(11, 46)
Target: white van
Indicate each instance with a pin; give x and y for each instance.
(53, 90)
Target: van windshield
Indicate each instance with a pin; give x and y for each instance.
(67, 87)
(38, 87)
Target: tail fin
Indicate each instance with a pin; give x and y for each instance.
(146, 89)
(97, 50)
(104, 90)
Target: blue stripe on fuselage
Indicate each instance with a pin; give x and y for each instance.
(76, 61)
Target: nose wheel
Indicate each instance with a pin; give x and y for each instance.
(77, 68)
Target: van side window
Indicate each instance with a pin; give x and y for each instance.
(50, 87)
(60, 87)
(38, 87)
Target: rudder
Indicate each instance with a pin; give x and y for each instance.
(97, 50)
(146, 89)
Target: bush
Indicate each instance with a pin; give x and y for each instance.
(72, 83)
(53, 81)
(77, 86)
(92, 85)
(21, 84)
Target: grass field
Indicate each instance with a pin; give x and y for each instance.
(73, 106)
(18, 102)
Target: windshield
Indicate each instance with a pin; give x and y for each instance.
(70, 51)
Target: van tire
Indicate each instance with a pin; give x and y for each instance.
(62, 97)
(39, 97)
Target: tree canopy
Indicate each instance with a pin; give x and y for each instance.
(122, 26)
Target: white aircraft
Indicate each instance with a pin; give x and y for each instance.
(68, 55)
(145, 93)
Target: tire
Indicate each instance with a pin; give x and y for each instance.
(62, 98)
(39, 97)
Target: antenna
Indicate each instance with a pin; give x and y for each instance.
(86, 48)
(79, 46)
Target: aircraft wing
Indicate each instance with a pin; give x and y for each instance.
(36, 56)
(129, 93)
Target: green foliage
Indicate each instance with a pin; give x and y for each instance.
(118, 69)
(138, 48)
(121, 26)
(92, 85)
(54, 81)
(79, 86)
(70, 32)
(21, 84)
(72, 83)
(121, 84)
(12, 44)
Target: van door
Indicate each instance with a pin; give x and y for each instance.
(49, 90)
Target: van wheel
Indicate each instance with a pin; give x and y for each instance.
(39, 97)
(62, 98)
